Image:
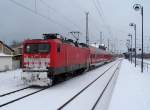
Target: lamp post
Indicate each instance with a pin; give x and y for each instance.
(138, 7)
(131, 46)
(128, 46)
(134, 25)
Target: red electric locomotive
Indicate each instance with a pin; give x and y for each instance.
(51, 57)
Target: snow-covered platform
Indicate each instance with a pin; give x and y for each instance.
(132, 90)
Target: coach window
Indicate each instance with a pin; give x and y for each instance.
(58, 48)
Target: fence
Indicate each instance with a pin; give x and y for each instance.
(146, 66)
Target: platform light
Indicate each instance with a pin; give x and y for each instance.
(139, 7)
(134, 25)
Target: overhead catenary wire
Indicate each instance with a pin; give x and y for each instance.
(90, 23)
(35, 11)
(40, 14)
(91, 17)
(103, 18)
(99, 12)
(101, 15)
(97, 28)
(62, 15)
(98, 2)
(35, 5)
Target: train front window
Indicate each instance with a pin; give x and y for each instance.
(37, 48)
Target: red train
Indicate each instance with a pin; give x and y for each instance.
(46, 59)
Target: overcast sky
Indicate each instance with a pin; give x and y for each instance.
(63, 16)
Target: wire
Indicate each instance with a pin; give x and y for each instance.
(100, 6)
(64, 17)
(100, 13)
(39, 14)
(91, 17)
(97, 9)
(103, 16)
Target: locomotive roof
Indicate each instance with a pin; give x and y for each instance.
(59, 39)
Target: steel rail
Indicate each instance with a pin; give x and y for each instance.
(18, 90)
(81, 91)
(101, 94)
(17, 99)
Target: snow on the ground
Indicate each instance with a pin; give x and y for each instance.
(5, 55)
(55, 96)
(132, 91)
(91, 94)
(10, 80)
(103, 103)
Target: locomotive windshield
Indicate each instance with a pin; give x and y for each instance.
(37, 48)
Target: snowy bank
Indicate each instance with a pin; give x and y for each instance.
(132, 90)
(10, 80)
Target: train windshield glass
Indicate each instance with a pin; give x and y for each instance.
(37, 48)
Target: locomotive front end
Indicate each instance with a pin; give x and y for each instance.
(36, 61)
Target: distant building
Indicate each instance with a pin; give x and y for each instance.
(17, 58)
(17, 49)
(6, 62)
(6, 54)
(6, 49)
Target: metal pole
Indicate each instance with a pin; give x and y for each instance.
(35, 6)
(108, 44)
(87, 31)
(100, 37)
(142, 39)
(131, 48)
(135, 43)
(147, 67)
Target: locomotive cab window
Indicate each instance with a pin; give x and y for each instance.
(37, 48)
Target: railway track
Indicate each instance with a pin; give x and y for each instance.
(101, 94)
(42, 89)
(18, 90)
(21, 97)
(90, 84)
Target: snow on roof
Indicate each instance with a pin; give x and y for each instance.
(97, 45)
(5, 55)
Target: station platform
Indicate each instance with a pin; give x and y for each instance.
(132, 89)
